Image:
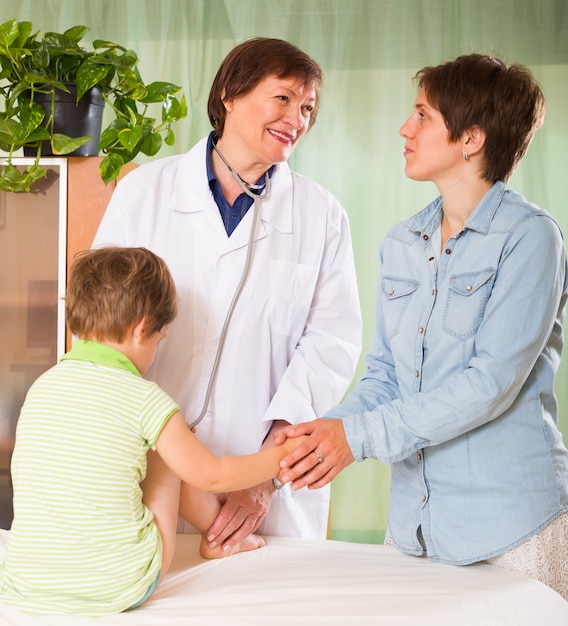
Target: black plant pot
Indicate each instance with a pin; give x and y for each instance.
(73, 119)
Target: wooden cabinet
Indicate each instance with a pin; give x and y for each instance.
(87, 199)
(40, 233)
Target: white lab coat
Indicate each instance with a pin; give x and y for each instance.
(295, 335)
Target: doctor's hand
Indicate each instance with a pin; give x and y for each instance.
(240, 515)
(243, 511)
(319, 459)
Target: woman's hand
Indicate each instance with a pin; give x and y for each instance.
(319, 459)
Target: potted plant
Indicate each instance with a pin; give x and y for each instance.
(32, 67)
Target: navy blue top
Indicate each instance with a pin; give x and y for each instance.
(231, 215)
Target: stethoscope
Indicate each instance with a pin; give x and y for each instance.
(246, 187)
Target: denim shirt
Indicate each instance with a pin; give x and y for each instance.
(458, 394)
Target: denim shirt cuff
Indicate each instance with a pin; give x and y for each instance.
(358, 436)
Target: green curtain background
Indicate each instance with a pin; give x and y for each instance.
(369, 49)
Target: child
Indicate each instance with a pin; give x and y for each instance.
(104, 461)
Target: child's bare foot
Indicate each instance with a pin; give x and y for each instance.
(252, 542)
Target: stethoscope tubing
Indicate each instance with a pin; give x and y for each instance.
(244, 277)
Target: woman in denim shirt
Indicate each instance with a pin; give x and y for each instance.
(458, 395)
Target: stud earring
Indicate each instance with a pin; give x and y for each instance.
(465, 156)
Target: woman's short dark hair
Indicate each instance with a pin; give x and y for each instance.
(251, 62)
(505, 102)
(110, 289)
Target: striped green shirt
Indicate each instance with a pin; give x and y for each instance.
(82, 541)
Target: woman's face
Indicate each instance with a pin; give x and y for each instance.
(265, 124)
(428, 151)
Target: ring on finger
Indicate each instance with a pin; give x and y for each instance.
(319, 456)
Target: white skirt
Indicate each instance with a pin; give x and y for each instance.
(544, 556)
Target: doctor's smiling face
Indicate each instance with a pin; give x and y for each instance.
(264, 98)
(266, 123)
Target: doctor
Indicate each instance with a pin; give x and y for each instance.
(269, 316)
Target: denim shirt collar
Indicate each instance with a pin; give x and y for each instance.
(427, 221)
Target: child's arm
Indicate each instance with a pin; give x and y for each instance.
(187, 457)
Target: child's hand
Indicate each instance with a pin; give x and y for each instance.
(291, 444)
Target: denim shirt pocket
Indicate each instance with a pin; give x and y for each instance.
(465, 305)
(396, 295)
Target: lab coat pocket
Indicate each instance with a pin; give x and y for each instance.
(465, 305)
(396, 295)
(291, 293)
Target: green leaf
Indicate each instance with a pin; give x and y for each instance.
(42, 83)
(110, 167)
(89, 75)
(76, 33)
(61, 144)
(8, 125)
(39, 134)
(159, 91)
(11, 179)
(33, 173)
(41, 56)
(170, 138)
(98, 44)
(173, 110)
(24, 40)
(131, 86)
(30, 118)
(151, 144)
(10, 175)
(9, 31)
(129, 137)
(109, 136)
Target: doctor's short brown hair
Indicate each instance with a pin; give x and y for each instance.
(250, 63)
(111, 289)
(479, 90)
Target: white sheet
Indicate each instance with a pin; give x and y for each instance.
(303, 582)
